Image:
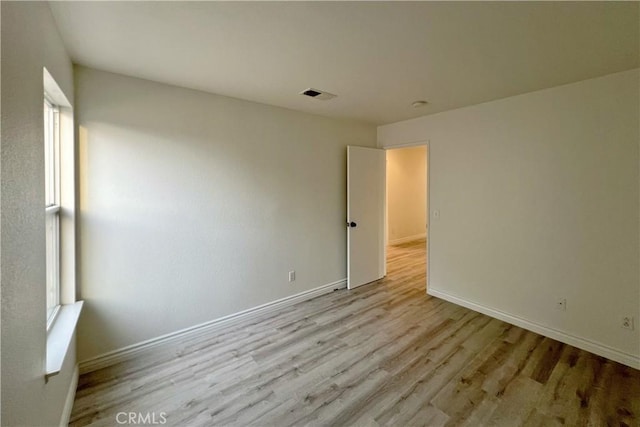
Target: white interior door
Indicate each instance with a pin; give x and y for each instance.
(365, 215)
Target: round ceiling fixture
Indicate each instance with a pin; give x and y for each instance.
(418, 104)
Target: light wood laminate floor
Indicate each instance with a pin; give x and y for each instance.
(382, 354)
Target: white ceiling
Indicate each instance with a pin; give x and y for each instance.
(378, 57)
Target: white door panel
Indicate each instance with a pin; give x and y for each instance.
(365, 214)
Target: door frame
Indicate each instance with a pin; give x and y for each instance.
(426, 143)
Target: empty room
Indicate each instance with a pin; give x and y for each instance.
(320, 213)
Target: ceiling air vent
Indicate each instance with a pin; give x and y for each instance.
(317, 94)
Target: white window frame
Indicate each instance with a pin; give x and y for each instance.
(52, 207)
(62, 318)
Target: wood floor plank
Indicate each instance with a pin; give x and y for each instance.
(546, 363)
(516, 404)
(384, 354)
(428, 416)
(426, 386)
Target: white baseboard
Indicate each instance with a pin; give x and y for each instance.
(131, 351)
(593, 347)
(407, 239)
(71, 397)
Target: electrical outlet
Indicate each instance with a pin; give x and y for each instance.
(292, 276)
(627, 322)
(561, 304)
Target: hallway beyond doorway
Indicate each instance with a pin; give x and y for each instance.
(408, 262)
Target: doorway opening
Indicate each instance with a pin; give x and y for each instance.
(406, 228)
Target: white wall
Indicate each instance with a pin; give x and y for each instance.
(406, 193)
(539, 200)
(30, 42)
(195, 206)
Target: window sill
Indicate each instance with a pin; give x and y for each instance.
(60, 335)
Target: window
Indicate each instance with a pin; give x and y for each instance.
(52, 206)
(63, 309)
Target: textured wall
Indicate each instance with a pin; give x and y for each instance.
(539, 200)
(194, 206)
(29, 42)
(406, 192)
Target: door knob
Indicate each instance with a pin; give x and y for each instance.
(352, 224)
